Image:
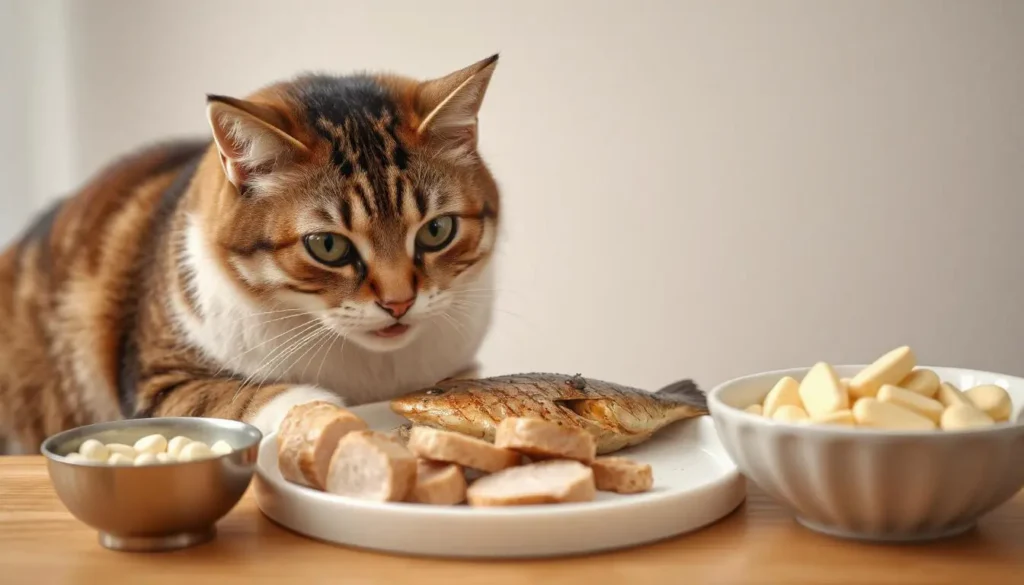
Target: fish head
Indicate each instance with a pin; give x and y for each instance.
(442, 405)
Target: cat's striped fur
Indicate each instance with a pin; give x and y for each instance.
(180, 280)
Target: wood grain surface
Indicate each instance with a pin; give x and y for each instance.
(42, 544)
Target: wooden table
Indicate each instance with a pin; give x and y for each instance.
(42, 544)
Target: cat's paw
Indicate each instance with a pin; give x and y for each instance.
(268, 418)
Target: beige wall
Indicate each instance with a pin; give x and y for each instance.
(699, 189)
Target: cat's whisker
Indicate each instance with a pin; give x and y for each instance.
(264, 342)
(455, 324)
(292, 313)
(274, 312)
(461, 311)
(236, 359)
(319, 345)
(334, 339)
(318, 338)
(278, 360)
(489, 289)
(278, 350)
(252, 326)
(309, 340)
(467, 303)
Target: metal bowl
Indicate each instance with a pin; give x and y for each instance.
(163, 506)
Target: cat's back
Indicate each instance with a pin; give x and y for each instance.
(78, 234)
(68, 279)
(68, 227)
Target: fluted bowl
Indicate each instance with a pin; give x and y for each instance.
(873, 484)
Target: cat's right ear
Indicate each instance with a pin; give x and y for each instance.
(250, 139)
(449, 105)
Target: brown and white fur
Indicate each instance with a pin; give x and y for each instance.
(184, 281)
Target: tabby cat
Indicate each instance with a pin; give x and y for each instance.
(333, 241)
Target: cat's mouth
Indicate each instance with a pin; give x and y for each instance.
(392, 331)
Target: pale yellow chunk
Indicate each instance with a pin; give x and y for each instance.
(949, 395)
(755, 409)
(871, 412)
(786, 391)
(126, 450)
(992, 400)
(94, 450)
(146, 459)
(789, 413)
(176, 444)
(891, 368)
(924, 382)
(151, 444)
(839, 417)
(821, 392)
(926, 407)
(120, 459)
(964, 416)
(195, 451)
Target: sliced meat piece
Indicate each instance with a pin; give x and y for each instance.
(541, 439)
(310, 440)
(621, 475)
(296, 415)
(288, 458)
(452, 447)
(369, 465)
(290, 438)
(438, 483)
(545, 482)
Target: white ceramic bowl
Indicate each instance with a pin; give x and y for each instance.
(874, 484)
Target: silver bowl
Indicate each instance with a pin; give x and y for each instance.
(163, 506)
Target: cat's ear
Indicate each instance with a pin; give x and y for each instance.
(251, 139)
(448, 106)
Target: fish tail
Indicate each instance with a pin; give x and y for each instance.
(686, 392)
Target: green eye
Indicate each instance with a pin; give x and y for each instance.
(437, 234)
(330, 249)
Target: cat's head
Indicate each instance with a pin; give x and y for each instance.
(360, 199)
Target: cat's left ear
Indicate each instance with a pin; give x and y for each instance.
(448, 106)
(251, 139)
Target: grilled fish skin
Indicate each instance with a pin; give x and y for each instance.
(617, 416)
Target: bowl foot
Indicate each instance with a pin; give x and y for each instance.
(156, 543)
(840, 532)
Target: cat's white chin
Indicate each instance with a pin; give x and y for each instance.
(386, 340)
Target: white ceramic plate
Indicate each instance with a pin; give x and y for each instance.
(695, 484)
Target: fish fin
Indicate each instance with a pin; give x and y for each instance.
(593, 412)
(687, 392)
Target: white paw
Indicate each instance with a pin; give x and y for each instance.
(268, 418)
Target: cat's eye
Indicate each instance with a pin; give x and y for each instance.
(437, 233)
(330, 249)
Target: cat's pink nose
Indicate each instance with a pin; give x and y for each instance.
(397, 308)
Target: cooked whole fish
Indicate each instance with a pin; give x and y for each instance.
(618, 416)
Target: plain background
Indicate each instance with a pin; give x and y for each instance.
(692, 189)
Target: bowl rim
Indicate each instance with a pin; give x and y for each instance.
(718, 408)
(46, 448)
